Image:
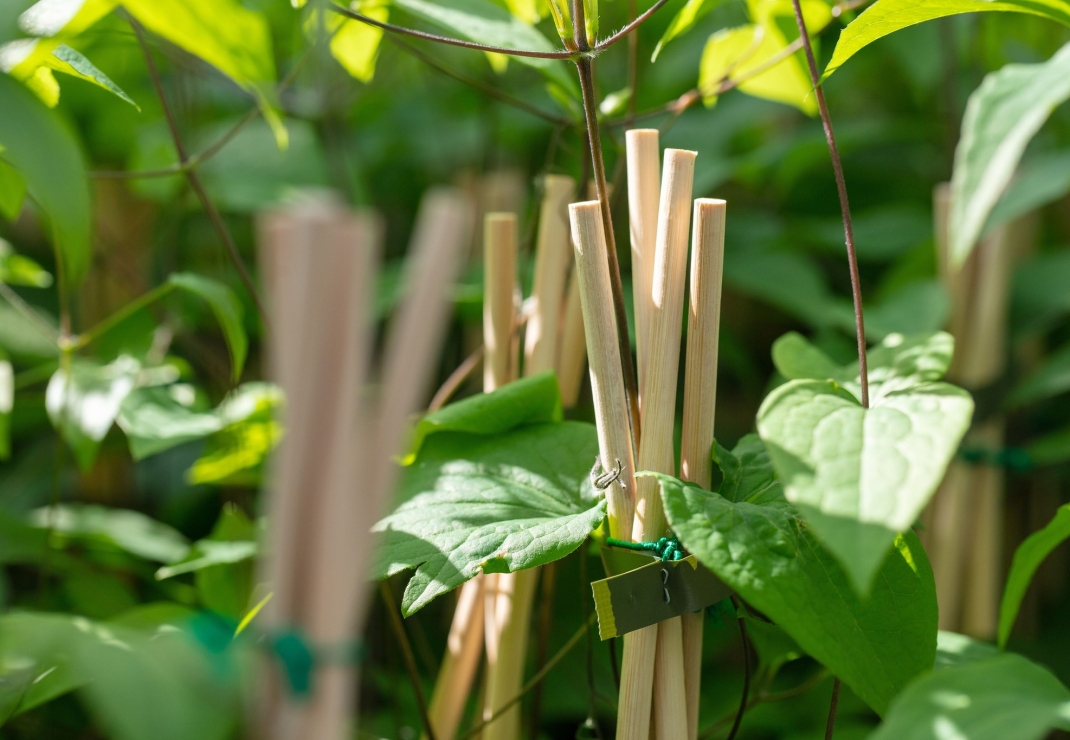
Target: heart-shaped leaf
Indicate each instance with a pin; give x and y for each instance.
(498, 503)
(754, 540)
(861, 476)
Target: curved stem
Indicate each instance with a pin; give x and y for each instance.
(406, 651)
(845, 207)
(830, 725)
(449, 40)
(606, 43)
(746, 673)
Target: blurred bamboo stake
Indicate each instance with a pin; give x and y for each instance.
(553, 253)
(614, 444)
(700, 400)
(659, 415)
(644, 188)
(319, 263)
(507, 599)
(572, 355)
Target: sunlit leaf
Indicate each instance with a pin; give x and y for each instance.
(999, 697)
(1001, 117)
(64, 17)
(496, 504)
(356, 45)
(83, 400)
(18, 270)
(888, 16)
(125, 529)
(757, 544)
(25, 58)
(1027, 558)
(683, 21)
(236, 453)
(47, 157)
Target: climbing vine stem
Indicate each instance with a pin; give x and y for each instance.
(845, 207)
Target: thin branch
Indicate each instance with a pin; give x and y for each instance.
(453, 382)
(449, 40)
(763, 697)
(585, 70)
(845, 207)
(406, 651)
(119, 316)
(830, 725)
(481, 86)
(606, 43)
(198, 159)
(746, 672)
(194, 179)
(29, 313)
(535, 680)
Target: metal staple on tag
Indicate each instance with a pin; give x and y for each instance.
(664, 581)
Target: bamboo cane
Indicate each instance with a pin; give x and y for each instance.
(700, 400)
(614, 444)
(553, 253)
(572, 354)
(320, 264)
(644, 186)
(659, 414)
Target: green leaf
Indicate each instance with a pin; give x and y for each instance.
(486, 23)
(753, 539)
(1039, 296)
(25, 58)
(356, 45)
(773, 645)
(1002, 115)
(1027, 558)
(12, 191)
(223, 563)
(128, 530)
(888, 16)
(1050, 379)
(236, 453)
(1051, 448)
(954, 649)
(1043, 180)
(920, 306)
(74, 63)
(498, 503)
(227, 310)
(47, 157)
(65, 18)
(529, 400)
(858, 476)
(1004, 697)
(683, 22)
(796, 359)
(83, 401)
(18, 270)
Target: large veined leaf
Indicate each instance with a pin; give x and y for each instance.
(130, 531)
(83, 400)
(486, 23)
(1027, 558)
(888, 16)
(995, 697)
(496, 504)
(1001, 117)
(47, 157)
(861, 476)
(754, 540)
(526, 401)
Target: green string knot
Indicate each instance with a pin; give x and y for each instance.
(666, 548)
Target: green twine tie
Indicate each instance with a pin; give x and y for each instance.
(1014, 458)
(666, 548)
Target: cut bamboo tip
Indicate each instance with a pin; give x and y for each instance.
(643, 155)
(552, 256)
(499, 308)
(603, 352)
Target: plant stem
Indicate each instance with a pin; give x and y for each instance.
(29, 313)
(406, 651)
(746, 672)
(585, 71)
(119, 316)
(830, 725)
(845, 207)
(194, 178)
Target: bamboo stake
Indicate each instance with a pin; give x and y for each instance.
(320, 262)
(508, 595)
(614, 443)
(643, 160)
(700, 400)
(659, 414)
(464, 646)
(552, 256)
(572, 355)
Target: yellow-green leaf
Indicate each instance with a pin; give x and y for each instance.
(356, 45)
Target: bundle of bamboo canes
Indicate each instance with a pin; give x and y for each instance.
(319, 261)
(964, 523)
(657, 685)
